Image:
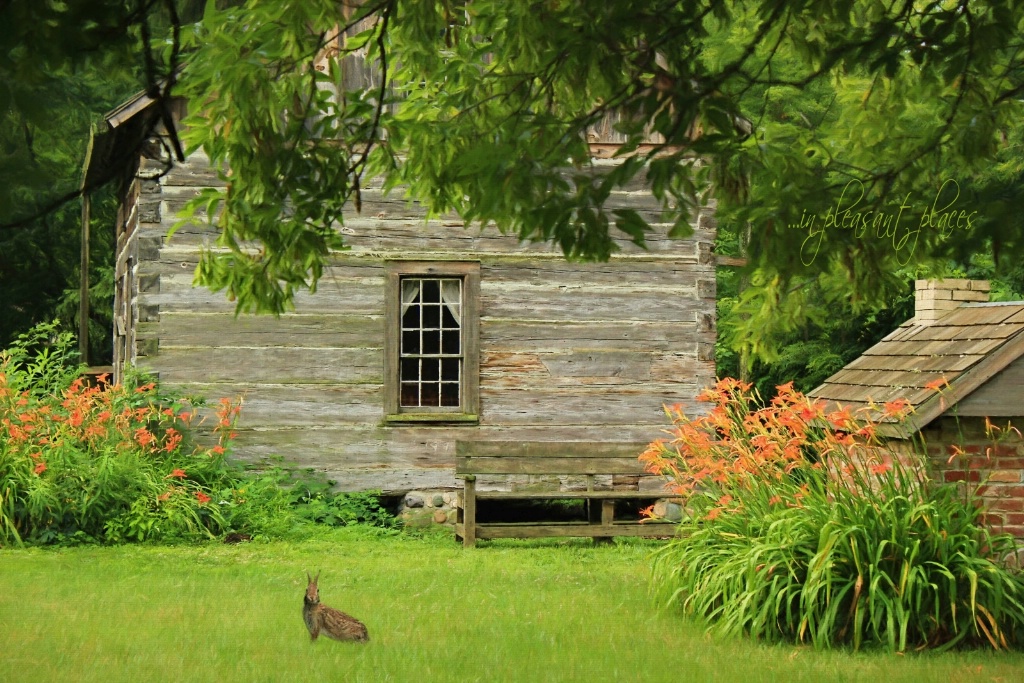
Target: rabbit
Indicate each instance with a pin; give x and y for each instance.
(335, 624)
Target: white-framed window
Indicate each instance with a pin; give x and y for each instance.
(432, 361)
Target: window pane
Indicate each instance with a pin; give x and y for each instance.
(450, 369)
(431, 342)
(449, 393)
(448, 320)
(410, 290)
(410, 342)
(432, 316)
(411, 317)
(431, 291)
(431, 369)
(430, 394)
(450, 343)
(410, 370)
(410, 394)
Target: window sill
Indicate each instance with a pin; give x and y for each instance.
(431, 418)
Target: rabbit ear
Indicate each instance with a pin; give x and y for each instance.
(317, 577)
(309, 578)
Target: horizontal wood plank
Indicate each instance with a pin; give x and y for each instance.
(305, 405)
(626, 364)
(618, 273)
(549, 449)
(547, 465)
(281, 365)
(396, 226)
(999, 396)
(510, 335)
(655, 529)
(612, 304)
(644, 405)
(311, 330)
(177, 293)
(568, 495)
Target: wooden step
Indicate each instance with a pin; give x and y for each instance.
(555, 495)
(568, 529)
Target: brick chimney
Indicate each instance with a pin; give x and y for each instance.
(935, 298)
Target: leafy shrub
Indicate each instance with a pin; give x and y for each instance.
(803, 525)
(116, 463)
(312, 499)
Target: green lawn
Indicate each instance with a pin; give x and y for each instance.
(513, 611)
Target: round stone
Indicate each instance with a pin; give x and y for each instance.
(673, 512)
(440, 517)
(438, 500)
(413, 500)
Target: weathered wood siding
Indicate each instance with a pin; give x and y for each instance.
(126, 262)
(999, 397)
(569, 352)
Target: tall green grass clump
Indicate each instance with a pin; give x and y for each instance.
(106, 463)
(805, 526)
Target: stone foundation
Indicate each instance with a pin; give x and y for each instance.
(420, 509)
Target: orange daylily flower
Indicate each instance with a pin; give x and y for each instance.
(840, 419)
(144, 436)
(896, 408)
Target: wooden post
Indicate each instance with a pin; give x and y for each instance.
(83, 276)
(607, 512)
(83, 285)
(588, 503)
(469, 513)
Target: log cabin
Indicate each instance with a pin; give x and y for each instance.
(425, 334)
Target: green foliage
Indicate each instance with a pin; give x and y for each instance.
(311, 498)
(828, 133)
(113, 464)
(813, 338)
(61, 66)
(817, 329)
(803, 526)
(484, 109)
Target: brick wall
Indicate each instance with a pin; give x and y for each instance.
(962, 452)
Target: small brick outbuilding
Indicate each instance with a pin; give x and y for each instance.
(975, 349)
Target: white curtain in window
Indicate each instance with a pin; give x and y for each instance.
(451, 295)
(410, 290)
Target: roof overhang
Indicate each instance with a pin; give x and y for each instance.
(117, 141)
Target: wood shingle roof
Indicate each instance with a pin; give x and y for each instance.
(964, 348)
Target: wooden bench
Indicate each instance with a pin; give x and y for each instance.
(583, 461)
